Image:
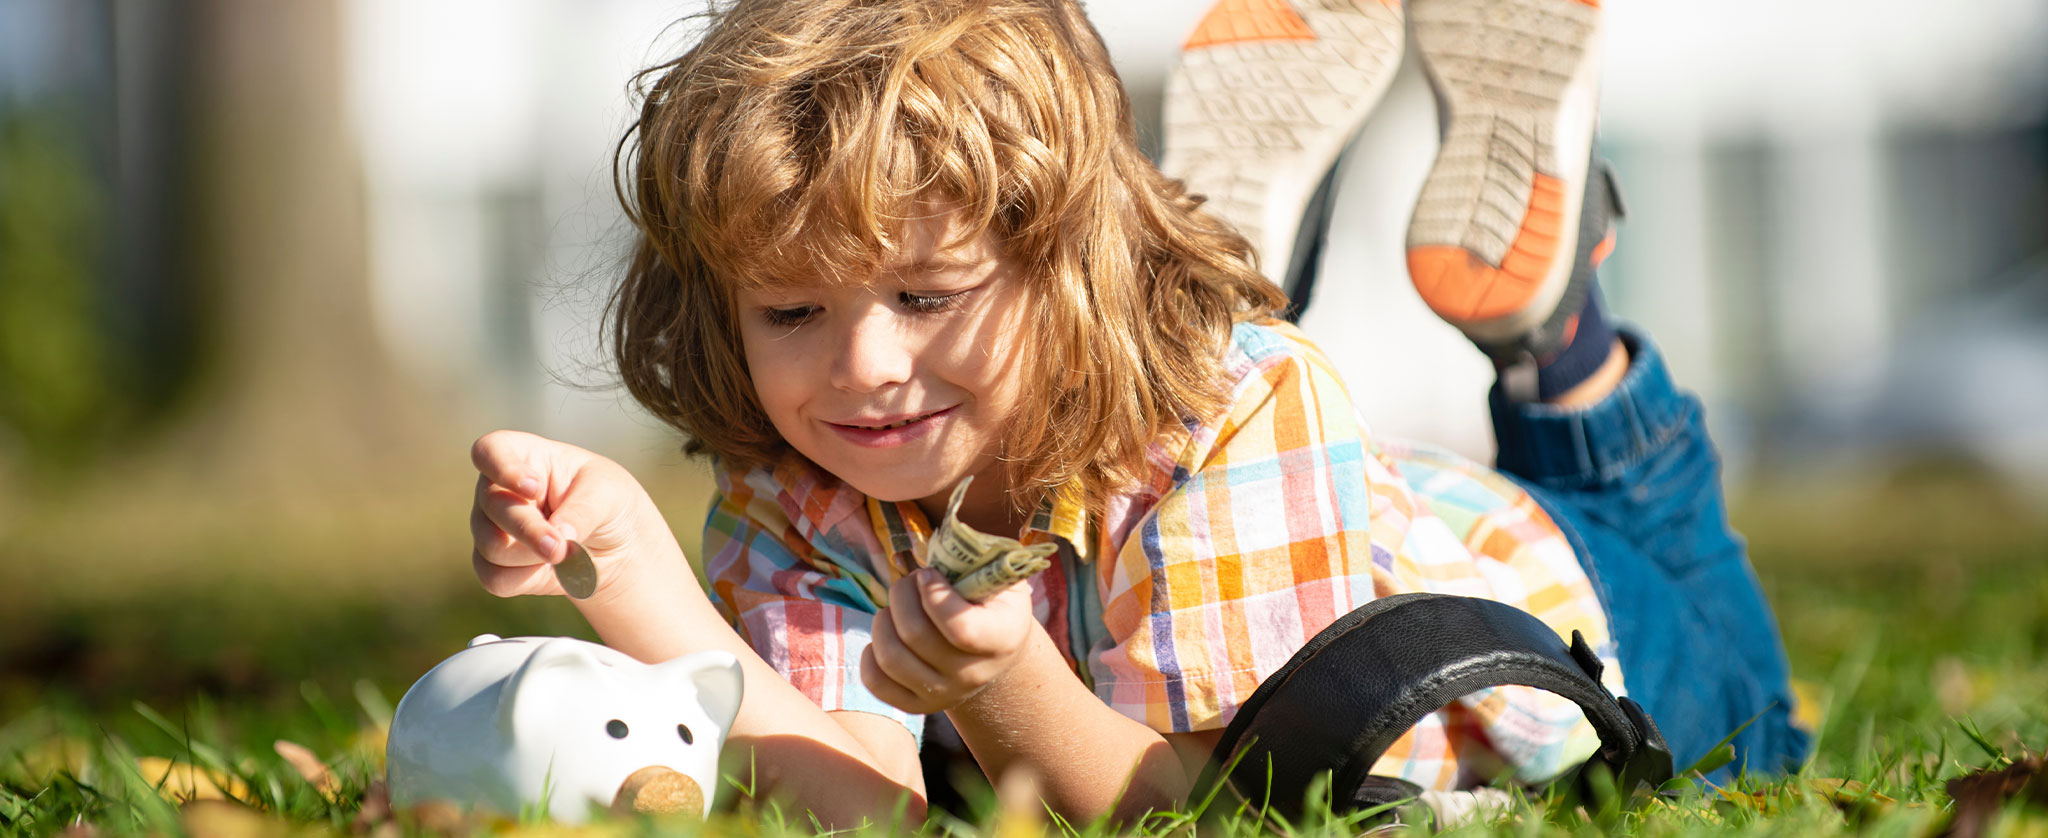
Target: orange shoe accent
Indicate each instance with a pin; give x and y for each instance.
(1234, 21)
(1604, 249)
(1461, 287)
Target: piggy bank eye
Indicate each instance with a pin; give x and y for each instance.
(684, 731)
(616, 728)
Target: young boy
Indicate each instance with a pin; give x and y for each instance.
(889, 246)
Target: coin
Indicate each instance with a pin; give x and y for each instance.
(577, 573)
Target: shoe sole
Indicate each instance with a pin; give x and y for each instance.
(1495, 229)
(1265, 96)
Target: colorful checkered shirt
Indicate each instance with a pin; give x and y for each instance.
(1251, 532)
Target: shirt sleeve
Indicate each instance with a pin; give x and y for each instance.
(808, 611)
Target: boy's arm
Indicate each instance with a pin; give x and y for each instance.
(1016, 703)
(844, 767)
(1089, 760)
(534, 495)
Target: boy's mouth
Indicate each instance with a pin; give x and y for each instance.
(894, 425)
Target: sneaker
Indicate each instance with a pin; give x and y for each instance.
(1266, 94)
(1498, 234)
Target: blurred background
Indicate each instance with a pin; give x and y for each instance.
(266, 269)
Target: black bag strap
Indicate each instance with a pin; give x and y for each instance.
(1361, 683)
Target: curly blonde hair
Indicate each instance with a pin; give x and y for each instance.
(806, 133)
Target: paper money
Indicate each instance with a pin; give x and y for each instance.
(577, 573)
(978, 564)
(1007, 569)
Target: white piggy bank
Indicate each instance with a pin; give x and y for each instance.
(512, 725)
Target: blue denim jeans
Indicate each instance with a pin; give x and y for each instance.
(1636, 486)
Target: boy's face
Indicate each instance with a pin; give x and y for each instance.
(903, 384)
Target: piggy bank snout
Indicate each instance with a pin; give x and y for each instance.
(658, 790)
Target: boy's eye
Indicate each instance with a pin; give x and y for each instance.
(793, 316)
(930, 303)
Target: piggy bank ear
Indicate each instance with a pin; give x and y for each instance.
(556, 672)
(717, 680)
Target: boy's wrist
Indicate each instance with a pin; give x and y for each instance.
(1025, 668)
(652, 564)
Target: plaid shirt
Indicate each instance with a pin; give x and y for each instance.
(1251, 533)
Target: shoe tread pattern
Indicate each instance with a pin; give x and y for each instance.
(1489, 226)
(1241, 114)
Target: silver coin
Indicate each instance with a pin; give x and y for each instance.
(577, 573)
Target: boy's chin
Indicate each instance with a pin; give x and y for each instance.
(892, 488)
(904, 490)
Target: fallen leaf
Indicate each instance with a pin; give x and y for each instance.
(438, 817)
(303, 760)
(179, 782)
(1979, 795)
(1853, 797)
(374, 816)
(208, 818)
(1850, 796)
(228, 819)
(53, 756)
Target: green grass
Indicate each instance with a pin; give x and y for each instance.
(1918, 610)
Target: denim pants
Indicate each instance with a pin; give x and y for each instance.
(1636, 486)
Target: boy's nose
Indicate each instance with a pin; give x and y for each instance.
(874, 353)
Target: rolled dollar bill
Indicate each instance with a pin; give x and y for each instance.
(978, 564)
(955, 548)
(1007, 569)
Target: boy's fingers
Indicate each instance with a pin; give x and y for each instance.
(497, 547)
(488, 539)
(890, 692)
(519, 518)
(972, 628)
(898, 661)
(512, 581)
(597, 505)
(915, 626)
(510, 459)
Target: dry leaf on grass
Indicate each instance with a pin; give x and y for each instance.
(179, 782)
(227, 819)
(440, 817)
(1853, 798)
(208, 818)
(53, 756)
(303, 760)
(1979, 795)
(374, 818)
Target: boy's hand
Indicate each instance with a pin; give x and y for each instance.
(933, 649)
(533, 495)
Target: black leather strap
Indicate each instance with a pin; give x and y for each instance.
(1361, 683)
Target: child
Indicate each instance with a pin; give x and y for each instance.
(888, 246)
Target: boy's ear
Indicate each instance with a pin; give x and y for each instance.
(718, 682)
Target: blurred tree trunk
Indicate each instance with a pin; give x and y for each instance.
(297, 385)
